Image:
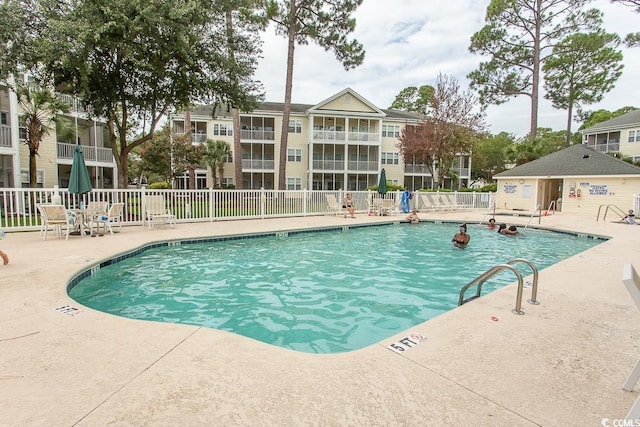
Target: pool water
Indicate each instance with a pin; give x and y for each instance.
(317, 292)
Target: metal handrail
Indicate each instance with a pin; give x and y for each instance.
(534, 286)
(488, 274)
(552, 205)
(615, 208)
(531, 217)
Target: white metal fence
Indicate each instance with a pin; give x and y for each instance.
(18, 210)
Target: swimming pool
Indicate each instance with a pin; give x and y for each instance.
(326, 291)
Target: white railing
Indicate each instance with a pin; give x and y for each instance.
(65, 151)
(248, 164)
(18, 211)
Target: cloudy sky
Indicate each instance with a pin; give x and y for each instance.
(409, 42)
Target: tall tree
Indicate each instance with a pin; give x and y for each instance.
(448, 131)
(525, 150)
(132, 62)
(632, 39)
(17, 31)
(242, 23)
(40, 108)
(518, 38)
(167, 156)
(581, 70)
(325, 22)
(490, 155)
(215, 155)
(413, 99)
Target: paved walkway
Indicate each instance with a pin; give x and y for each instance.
(561, 364)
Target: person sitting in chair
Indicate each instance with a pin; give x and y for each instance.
(630, 218)
(349, 205)
(413, 217)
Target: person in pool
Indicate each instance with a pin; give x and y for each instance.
(492, 223)
(511, 231)
(461, 238)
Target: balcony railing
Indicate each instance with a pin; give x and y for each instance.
(334, 135)
(257, 164)
(368, 166)
(328, 165)
(606, 147)
(5, 136)
(72, 102)
(96, 154)
(417, 169)
(328, 135)
(259, 135)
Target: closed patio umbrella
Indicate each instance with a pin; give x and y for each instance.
(79, 181)
(382, 185)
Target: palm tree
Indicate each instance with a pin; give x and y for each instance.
(215, 155)
(39, 116)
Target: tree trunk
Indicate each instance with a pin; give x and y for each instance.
(569, 113)
(282, 169)
(237, 149)
(33, 169)
(187, 130)
(535, 92)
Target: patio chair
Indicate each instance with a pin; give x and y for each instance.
(334, 206)
(156, 211)
(113, 216)
(632, 282)
(428, 204)
(56, 216)
(453, 202)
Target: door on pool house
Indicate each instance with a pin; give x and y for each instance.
(549, 194)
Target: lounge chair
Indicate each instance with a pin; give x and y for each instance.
(113, 216)
(428, 204)
(335, 207)
(452, 201)
(157, 212)
(56, 216)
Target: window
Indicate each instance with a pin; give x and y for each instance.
(227, 182)
(294, 155)
(390, 158)
(4, 118)
(634, 136)
(390, 131)
(294, 183)
(223, 130)
(229, 158)
(24, 174)
(295, 126)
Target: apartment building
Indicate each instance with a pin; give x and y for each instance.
(56, 150)
(342, 142)
(618, 135)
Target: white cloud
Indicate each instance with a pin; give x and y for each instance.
(409, 42)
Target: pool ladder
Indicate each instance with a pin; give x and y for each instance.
(480, 280)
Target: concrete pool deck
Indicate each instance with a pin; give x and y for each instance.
(562, 363)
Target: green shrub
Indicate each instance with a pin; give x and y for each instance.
(159, 186)
(489, 188)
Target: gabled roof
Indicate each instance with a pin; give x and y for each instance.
(351, 93)
(577, 160)
(304, 109)
(628, 120)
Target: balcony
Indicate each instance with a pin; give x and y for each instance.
(257, 135)
(328, 165)
(72, 102)
(258, 165)
(416, 169)
(94, 154)
(611, 146)
(363, 166)
(335, 135)
(5, 136)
